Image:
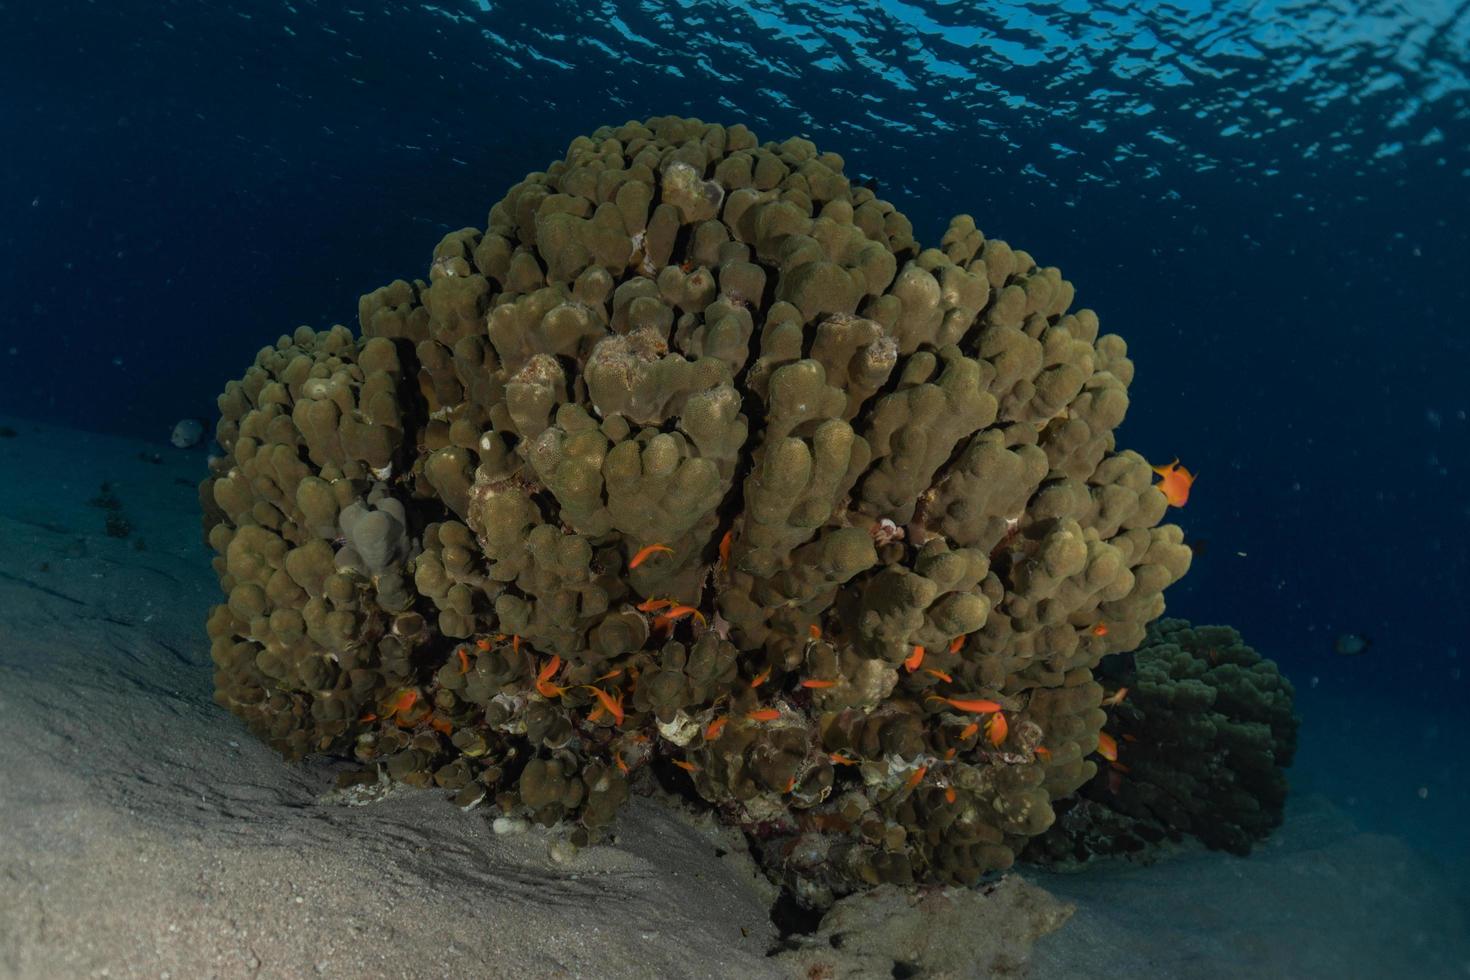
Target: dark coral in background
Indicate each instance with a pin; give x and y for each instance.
(695, 462)
(1204, 733)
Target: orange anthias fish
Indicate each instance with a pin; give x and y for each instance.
(949, 794)
(544, 687)
(404, 714)
(839, 759)
(763, 714)
(679, 612)
(725, 543)
(760, 678)
(1175, 483)
(939, 674)
(915, 659)
(464, 661)
(978, 706)
(483, 644)
(1107, 747)
(404, 702)
(956, 644)
(713, 729)
(646, 551)
(613, 706)
(969, 730)
(1101, 629)
(814, 631)
(812, 682)
(916, 778)
(997, 728)
(1043, 753)
(654, 605)
(1115, 698)
(685, 765)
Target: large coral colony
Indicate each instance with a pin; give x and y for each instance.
(694, 465)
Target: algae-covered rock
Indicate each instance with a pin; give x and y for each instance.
(945, 932)
(1204, 732)
(694, 462)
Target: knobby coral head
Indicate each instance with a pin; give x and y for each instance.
(693, 463)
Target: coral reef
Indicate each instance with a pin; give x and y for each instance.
(693, 466)
(1203, 735)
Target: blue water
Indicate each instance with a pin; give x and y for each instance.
(1268, 200)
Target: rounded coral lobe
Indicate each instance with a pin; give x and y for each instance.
(694, 464)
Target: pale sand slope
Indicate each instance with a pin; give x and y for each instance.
(143, 833)
(1319, 899)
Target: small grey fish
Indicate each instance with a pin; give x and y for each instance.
(187, 432)
(1351, 645)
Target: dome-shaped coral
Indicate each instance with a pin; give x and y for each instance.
(1204, 734)
(693, 460)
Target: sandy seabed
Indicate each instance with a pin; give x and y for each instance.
(144, 833)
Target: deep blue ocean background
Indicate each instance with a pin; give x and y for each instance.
(1268, 200)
